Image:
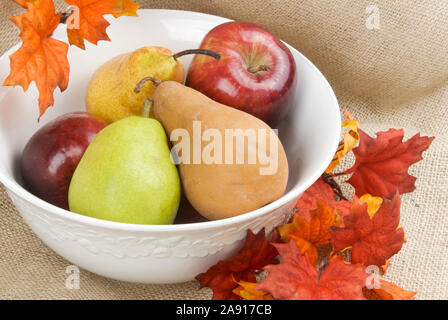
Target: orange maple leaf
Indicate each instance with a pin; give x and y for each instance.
(247, 291)
(40, 58)
(24, 3)
(309, 235)
(382, 163)
(388, 291)
(296, 278)
(126, 8)
(373, 239)
(87, 21)
(350, 140)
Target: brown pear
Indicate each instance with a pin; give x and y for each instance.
(230, 161)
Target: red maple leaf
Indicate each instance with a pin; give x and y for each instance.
(373, 240)
(223, 277)
(382, 163)
(296, 278)
(322, 191)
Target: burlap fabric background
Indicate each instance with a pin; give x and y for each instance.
(395, 76)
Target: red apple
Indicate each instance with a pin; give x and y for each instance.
(256, 72)
(53, 153)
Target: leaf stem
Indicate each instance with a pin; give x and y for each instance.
(329, 179)
(65, 15)
(338, 174)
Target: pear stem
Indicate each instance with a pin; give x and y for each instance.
(210, 53)
(146, 108)
(140, 84)
(156, 82)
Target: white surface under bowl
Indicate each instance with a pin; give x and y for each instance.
(168, 253)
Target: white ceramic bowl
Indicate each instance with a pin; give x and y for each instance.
(147, 253)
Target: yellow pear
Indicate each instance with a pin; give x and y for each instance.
(110, 93)
(230, 162)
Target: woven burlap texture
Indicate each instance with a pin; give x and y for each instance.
(392, 77)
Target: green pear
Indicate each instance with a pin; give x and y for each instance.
(127, 175)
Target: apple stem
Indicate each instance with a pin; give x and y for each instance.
(146, 108)
(210, 53)
(255, 69)
(140, 84)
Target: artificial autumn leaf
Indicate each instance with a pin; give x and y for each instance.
(40, 58)
(350, 140)
(309, 235)
(87, 21)
(24, 3)
(296, 278)
(388, 291)
(382, 163)
(247, 291)
(126, 8)
(373, 240)
(320, 190)
(386, 266)
(222, 278)
(373, 203)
